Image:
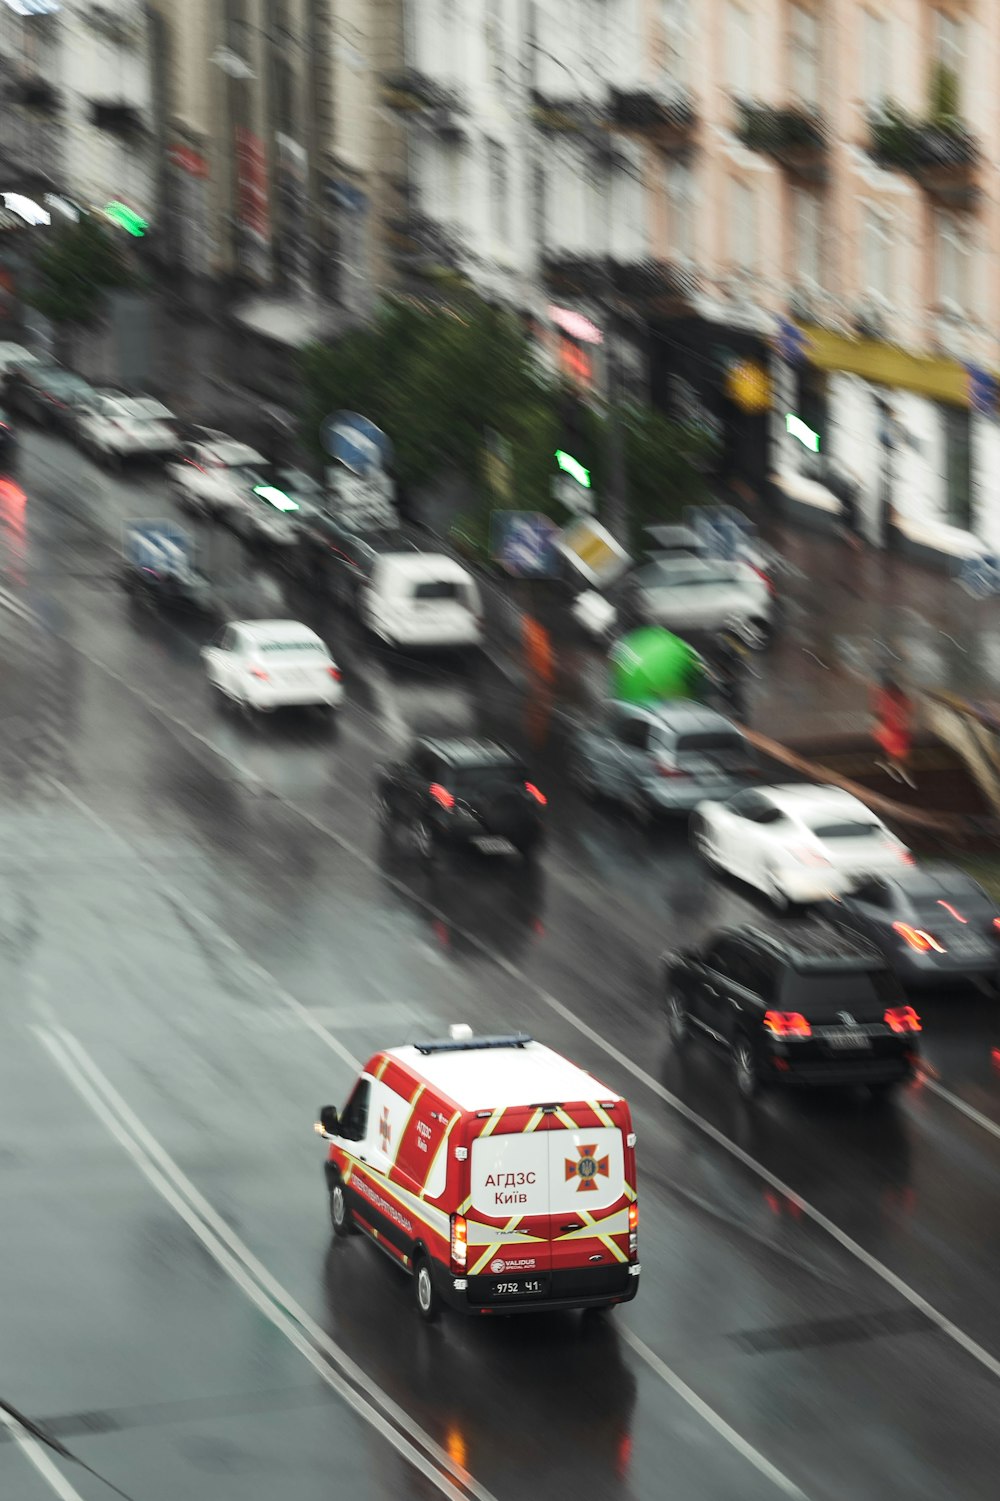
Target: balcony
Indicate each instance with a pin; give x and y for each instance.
(793, 137)
(421, 99)
(425, 248)
(640, 285)
(941, 155)
(668, 124)
(118, 118)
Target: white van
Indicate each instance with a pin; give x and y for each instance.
(422, 599)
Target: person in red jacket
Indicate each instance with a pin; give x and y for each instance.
(893, 731)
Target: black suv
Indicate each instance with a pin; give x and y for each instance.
(471, 792)
(794, 1004)
(339, 557)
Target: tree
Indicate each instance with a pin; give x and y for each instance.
(79, 265)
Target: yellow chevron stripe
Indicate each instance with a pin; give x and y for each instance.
(567, 1120)
(616, 1251)
(406, 1123)
(487, 1255)
(602, 1115)
(382, 1068)
(535, 1120)
(441, 1147)
(493, 1122)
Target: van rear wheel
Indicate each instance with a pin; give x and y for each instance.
(424, 1292)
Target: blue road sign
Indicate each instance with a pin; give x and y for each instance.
(162, 546)
(983, 390)
(723, 530)
(791, 342)
(356, 442)
(980, 575)
(345, 195)
(523, 542)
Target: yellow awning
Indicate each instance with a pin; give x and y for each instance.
(887, 365)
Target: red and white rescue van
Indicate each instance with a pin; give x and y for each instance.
(500, 1175)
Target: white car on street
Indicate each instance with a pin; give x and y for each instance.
(16, 357)
(797, 843)
(215, 473)
(112, 426)
(423, 601)
(263, 665)
(683, 593)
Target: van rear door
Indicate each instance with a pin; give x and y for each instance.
(588, 1203)
(508, 1220)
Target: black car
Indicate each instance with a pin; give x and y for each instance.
(47, 394)
(797, 1003)
(462, 792)
(8, 441)
(340, 557)
(933, 923)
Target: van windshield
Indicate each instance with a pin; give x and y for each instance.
(438, 589)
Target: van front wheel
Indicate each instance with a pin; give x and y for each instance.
(340, 1215)
(424, 1292)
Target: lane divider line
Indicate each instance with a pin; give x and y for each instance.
(36, 1455)
(328, 1360)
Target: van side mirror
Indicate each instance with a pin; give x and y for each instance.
(329, 1121)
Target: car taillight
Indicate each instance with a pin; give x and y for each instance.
(996, 922)
(907, 856)
(335, 673)
(633, 1229)
(917, 938)
(258, 672)
(459, 1242)
(442, 795)
(538, 796)
(902, 1019)
(806, 856)
(956, 915)
(787, 1024)
(665, 768)
(769, 582)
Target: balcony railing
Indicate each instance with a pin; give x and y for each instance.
(795, 138)
(643, 284)
(941, 155)
(415, 96)
(667, 123)
(424, 247)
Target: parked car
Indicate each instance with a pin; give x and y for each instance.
(664, 758)
(264, 665)
(793, 1004)
(933, 923)
(46, 393)
(113, 426)
(462, 791)
(14, 356)
(422, 601)
(688, 594)
(797, 843)
(213, 474)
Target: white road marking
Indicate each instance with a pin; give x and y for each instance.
(36, 1455)
(847, 1242)
(327, 1359)
(959, 1104)
(711, 1417)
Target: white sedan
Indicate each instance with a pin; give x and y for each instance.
(273, 664)
(215, 474)
(114, 427)
(799, 843)
(700, 594)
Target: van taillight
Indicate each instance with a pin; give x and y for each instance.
(442, 795)
(459, 1242)
(633, 1229)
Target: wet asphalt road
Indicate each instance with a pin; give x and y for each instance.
(201, 933)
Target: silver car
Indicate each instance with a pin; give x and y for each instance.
(687, 594)
(664, 758)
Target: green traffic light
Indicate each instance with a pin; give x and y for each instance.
(573, 468)
(133, 223)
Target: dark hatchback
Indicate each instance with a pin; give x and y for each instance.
(797, 1003)
(47, 394)
(468, 792)
(933, 923)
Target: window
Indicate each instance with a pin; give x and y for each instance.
(496, 44)
(499, 193)
(540, 206)
(675, 22)
(740, 73)
(681, 209)
(354, 1116)
(877, 247)
(958, 467)
(952, 264)
(804, 44)
(875, 60)
(950, 58)
(743, 226)
(448, 20)
(806, 219)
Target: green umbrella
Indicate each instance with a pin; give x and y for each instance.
(650, 665)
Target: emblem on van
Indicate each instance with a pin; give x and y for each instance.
(587, 1169)
(498, 1266)
(385, 1129)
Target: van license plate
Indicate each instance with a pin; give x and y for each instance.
(520, 1287)
(853, 1040)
